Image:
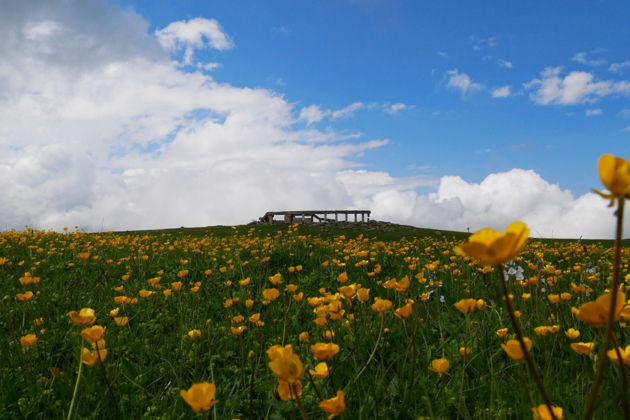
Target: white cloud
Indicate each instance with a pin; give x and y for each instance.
(484, 43)
(313, 113)
(501, 92)
(495, 202)
(442, 54)
(574, 88)
(197, 33)
(618, 67)
(394, 109)
(591, 112)
(626, 129)
(624, 113)
(581, 57)
(504, 63)
(462, 82)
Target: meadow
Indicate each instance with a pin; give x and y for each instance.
(288, 321)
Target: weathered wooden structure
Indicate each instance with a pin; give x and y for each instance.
(317, 216)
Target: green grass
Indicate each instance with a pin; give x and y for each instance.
(151, 359)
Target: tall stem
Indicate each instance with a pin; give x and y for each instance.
(519, 337)
(76, 384)
(602, 359)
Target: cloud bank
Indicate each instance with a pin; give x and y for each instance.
(102, 128)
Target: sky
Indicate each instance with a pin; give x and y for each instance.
(142, 114)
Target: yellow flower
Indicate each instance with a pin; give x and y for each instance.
(271, 294)
(553, 298)
(382, 305)
(24, 297)
(304, 337)
(572, 333)
(481, 304)
(86, 316)
(92, 357)
(238, 330)
(541, 330)
(194, 334)
(343, 277)
(583, 348)
(466, 306)
(625, 355)
(502, 332)
(286, 365)
(439, 365)
(324, 351)
(28, 340)
(596, 313)
(542, 412)
(334, 406)
(615, 175)
(349, 291)
(320, 371)
(464, 351)
(121, 321)
(93, 334)
(200, 396)
(514, 350)
(492, 247)
(404, 312)
(363, 294)
(289, 391)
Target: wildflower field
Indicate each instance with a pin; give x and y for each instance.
(311, 322)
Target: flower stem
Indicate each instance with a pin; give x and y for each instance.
(378, 340)
(519, 337)
(602, 359)
(76, 384)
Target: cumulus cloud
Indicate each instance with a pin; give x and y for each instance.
(193, 34)
(501, 92)
(574, 88)
(497, 201)
(462, 83)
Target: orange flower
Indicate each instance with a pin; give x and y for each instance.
(121, 321)
(502, 332)
(440, 365)
(28, 340)
(289, 391)
(583, 348)
(404, 312)
(93, 334)
(466, 306)
(334, 406)
(492, 247)
(200, 396)
(572, 333)
(320, 371)
(24, 297)
(324, 351)
(286, 365)
(382, 305)
(542, 412)
(625, 355)
(238, 330)
(86, 316)
(596, 313)
(615, 175)
(514, 350)
(194, 334)
(304, 337)
(343, 277)
(92, 357)
(271, 294)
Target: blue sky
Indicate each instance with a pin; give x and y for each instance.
(333, 53)
(118, 114)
